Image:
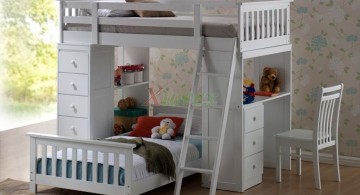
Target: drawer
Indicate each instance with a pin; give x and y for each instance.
(73, 127)
(253, 165)
(69, 105)
(73, 62)
(254, 142)
(254, 118)
(76, 84)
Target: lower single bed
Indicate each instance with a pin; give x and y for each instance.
(110, 179)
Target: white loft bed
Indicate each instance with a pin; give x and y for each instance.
(261, 28)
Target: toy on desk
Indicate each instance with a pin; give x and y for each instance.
(117, 76)
(249, 94)
(270, 81)
(118, 129)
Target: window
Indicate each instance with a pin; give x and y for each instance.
(28, 61)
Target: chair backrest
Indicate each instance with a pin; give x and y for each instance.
(327, 116)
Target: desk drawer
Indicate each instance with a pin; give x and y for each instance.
(254, 118)
(75, 84)
(73, 127)
(76, 106)
(254, 142)
(253, 165)
(73, 62)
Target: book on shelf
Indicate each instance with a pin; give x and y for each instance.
(265, 93)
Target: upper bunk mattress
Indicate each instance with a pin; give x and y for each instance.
(212, 27)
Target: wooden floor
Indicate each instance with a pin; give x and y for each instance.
(291, 184)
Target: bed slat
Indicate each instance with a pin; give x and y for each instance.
(105, 167)
(73, 163)
(53, 160)
(63, 162)
(95, 166)
(84, 164)
(116, 169)
(43, 159)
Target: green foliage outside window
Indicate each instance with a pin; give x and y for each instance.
(28, 57)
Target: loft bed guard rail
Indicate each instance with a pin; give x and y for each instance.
(73, 151)
(259, 24)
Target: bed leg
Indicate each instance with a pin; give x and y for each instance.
(33, 187)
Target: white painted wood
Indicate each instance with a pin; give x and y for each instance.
(249, 47)
(75, 106)
(254, 142)
(253, 165)
(95, 23)
(75, 84)
(33, 160)
(327, 114)
(106, 167)
(73, 62)
(63, 162)
(53, 160)
(254, 118)
(43, 159)
(155, 22)
(73, 127)
(84, 153)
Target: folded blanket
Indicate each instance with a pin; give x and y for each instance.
(157, 157)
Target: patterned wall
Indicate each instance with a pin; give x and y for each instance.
(326, 51)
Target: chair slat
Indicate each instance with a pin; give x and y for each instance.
(329, 97)
(331, 89)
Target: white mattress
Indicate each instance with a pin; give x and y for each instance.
(139, 170)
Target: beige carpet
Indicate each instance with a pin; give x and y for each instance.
(10, 186)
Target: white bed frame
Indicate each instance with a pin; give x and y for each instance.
(42, 144)
(251, 16)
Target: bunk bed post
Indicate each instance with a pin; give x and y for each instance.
(61, 20)
(33, 155)
(95, 22)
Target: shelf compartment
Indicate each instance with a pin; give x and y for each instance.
(132, 85)
(261, 99)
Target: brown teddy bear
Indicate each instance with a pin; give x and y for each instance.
(270, 81)
(126, 103)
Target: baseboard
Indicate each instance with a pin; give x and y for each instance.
(327, 158)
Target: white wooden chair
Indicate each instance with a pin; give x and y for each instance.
(325, 134)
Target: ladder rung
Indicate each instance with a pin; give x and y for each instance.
(202, 137)
(212, 74)
(198, 106)
(197, 170)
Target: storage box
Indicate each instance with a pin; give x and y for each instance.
(124, 119)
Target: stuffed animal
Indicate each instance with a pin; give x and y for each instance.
(165, 130)
(126, 103)
(270, 81)
(117, 76)
(249, 93)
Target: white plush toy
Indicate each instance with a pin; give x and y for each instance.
(165, 130)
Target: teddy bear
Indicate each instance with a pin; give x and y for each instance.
(270, 81)
(165, 130)
(126, 103)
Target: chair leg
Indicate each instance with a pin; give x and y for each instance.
(278, 161)
(298, 161)
(316, 169)
(336, 162)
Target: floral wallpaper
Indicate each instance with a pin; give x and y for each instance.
(326, 51)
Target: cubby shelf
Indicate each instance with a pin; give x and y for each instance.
(132, 85)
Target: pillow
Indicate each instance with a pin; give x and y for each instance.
(148, 13)
(144, 125)
(109, 13)
(195, 125)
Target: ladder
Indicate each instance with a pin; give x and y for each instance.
(214, 172)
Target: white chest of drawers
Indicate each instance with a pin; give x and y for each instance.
(85, 100)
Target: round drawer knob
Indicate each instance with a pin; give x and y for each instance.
(254, 143)
(72, 84)
(254, 118)
(73, 107)
(254, 166)
(72, 128)
(73, 63)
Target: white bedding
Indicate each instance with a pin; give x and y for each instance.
(139, 170)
